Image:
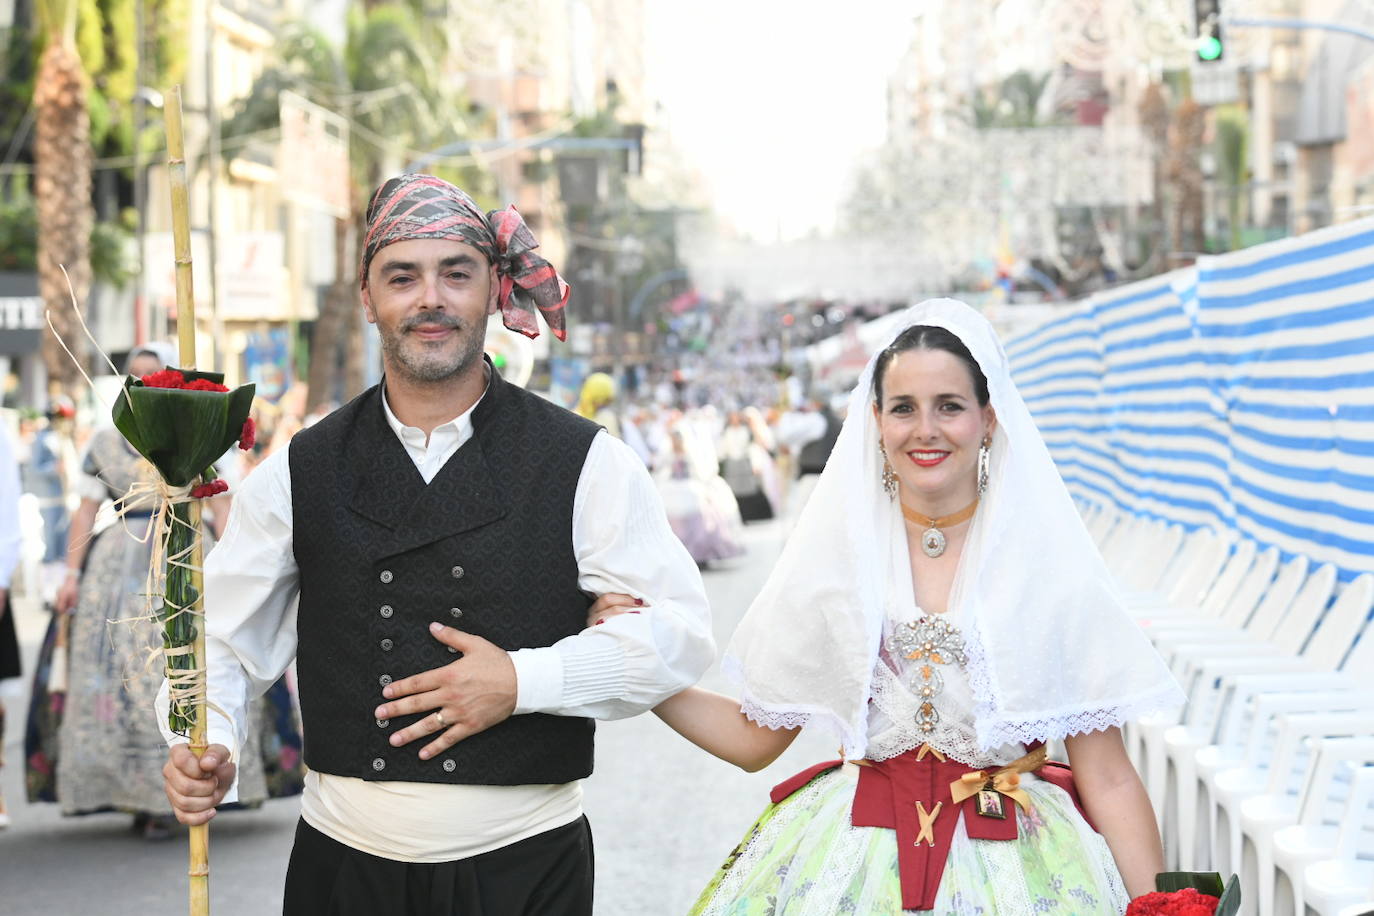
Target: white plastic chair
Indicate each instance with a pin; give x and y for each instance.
(1192, 635)
(1126, 540)
(1181, 644)
(1145, 741)
(1332, 885)
(1313, 838)
(1188, 576)
(1263, 816)
(1267, 791)
(1143, 571)
(1249, 701)
(1325, 651)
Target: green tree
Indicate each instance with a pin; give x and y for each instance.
(1015, 102)
(386, 81)
(1232, 141)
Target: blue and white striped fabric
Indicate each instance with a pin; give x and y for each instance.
(1237, 394)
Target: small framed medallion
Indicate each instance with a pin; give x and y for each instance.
(990, 804)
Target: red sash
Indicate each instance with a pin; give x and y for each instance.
(888, 795)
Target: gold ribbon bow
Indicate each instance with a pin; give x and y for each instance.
(1006, 781)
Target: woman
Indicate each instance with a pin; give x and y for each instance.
(746, 466)
(701, 509)
(110, 749)
(596, 400)
(941, 609)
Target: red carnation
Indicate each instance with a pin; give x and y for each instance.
(209, 488)
(249, 436)
(164, 378)
(202, 384)
(1186, 902)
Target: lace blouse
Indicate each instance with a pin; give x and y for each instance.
(921, 693)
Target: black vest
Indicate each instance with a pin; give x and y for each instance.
(485, 547)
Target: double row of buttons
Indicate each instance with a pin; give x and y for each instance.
(386, 577)
(378, 764)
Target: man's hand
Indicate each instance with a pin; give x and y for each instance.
(195, 787)
(464, 697)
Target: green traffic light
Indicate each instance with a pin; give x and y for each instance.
(1209, 48)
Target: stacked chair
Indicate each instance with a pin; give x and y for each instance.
(1269, 770)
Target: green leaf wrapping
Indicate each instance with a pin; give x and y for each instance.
(181, 432)
(1205, 882)
(179, 629)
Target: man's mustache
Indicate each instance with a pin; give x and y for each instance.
(437, 320)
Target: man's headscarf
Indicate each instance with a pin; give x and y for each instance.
(424, 207)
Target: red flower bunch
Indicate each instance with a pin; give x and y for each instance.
(171, 378)
(1187, 902)
(209, 488)
(249, 436)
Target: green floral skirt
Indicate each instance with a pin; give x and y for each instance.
(804, 858)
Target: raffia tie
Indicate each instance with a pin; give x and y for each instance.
(187, 687)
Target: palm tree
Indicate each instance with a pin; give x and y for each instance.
(62, 188)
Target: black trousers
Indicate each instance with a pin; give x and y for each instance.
(549, 874)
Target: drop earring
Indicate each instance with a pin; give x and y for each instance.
(889, 475)
(984, 460)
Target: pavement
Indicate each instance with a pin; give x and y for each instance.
(664, 814)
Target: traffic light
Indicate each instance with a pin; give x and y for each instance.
(1207, 30)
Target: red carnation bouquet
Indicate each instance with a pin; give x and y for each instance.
(182, 421)
(1189, 893)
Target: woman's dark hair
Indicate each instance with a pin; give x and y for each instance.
(926, 337)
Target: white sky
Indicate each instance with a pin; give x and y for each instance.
(773, 101)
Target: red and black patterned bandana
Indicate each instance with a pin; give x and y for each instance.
(424, 207)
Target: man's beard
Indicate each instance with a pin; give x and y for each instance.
(425, 365)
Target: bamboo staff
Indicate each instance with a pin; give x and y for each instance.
(193, 603)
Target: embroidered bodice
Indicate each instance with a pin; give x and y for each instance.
(921, 694)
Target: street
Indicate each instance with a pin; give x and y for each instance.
(664, 814)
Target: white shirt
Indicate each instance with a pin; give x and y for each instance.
(622, 543)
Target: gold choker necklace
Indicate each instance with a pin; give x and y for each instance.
(932, 538)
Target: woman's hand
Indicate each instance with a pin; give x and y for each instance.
(67, 594)
(611, 605)
(1118, 805)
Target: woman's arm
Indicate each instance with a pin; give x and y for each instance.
(711, 721)
(714, 723)
(1115, 799)
(78, 539)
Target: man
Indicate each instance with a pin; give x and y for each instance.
(442, 533)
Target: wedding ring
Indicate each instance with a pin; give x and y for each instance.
(439, 717)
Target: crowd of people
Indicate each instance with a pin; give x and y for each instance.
(717, 470)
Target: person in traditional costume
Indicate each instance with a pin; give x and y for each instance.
(10, 548)
(99, 749)
(596, 402)
(701, 509)
(426, 554)
(942, 610)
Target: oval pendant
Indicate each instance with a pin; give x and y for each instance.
(933, 542)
